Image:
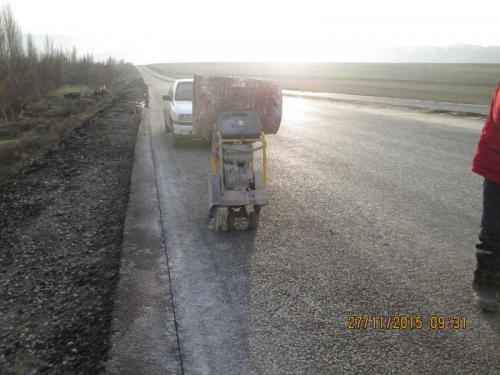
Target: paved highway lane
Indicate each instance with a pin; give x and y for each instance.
(372, 212)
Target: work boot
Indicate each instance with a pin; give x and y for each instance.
(485, 285)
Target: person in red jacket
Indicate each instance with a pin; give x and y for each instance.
(486, 283)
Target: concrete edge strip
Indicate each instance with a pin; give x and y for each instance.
(143, 337)
(164, 240)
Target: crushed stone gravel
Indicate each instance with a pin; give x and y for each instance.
(61, 222)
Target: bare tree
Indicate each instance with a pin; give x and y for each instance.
(13, 59)
(26, 73)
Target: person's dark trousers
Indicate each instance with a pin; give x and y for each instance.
(488, 249)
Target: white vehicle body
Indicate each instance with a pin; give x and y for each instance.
(178, 109)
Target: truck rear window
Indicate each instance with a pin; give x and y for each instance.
(184, 91)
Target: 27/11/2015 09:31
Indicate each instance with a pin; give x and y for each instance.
(416, 322)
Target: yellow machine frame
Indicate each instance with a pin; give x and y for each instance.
(216, 154)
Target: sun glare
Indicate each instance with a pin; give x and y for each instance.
(230, 30)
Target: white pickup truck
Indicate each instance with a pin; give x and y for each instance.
(178, 110)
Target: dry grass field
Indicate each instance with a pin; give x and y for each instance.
(464, 83)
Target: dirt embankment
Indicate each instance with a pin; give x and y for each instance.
(61, 221)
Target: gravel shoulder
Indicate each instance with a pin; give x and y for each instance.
(61, 227)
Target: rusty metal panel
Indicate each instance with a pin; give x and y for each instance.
(215, 94)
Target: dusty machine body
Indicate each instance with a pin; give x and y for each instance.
(236, 114)
(238, 176)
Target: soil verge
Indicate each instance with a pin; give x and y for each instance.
(61, 223)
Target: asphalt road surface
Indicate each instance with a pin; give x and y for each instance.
(373, 212)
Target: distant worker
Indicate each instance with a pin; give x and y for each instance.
(486, 283)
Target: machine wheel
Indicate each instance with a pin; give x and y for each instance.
(211, 212)
(231, 220)
(253, 221)
(217, 218)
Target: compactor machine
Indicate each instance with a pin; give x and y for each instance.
(235, 114)
(238, 176)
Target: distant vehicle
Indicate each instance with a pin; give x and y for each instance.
(178, 110)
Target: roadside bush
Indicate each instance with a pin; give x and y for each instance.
(10, 151)
(35, 108)
(81, 105)
(28, 74)
(58, 128)
(29, 142)
(39, 107)
(84, 90)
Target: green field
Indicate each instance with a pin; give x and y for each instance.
(464, 83)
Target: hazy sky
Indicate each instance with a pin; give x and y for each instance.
(150, 31)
